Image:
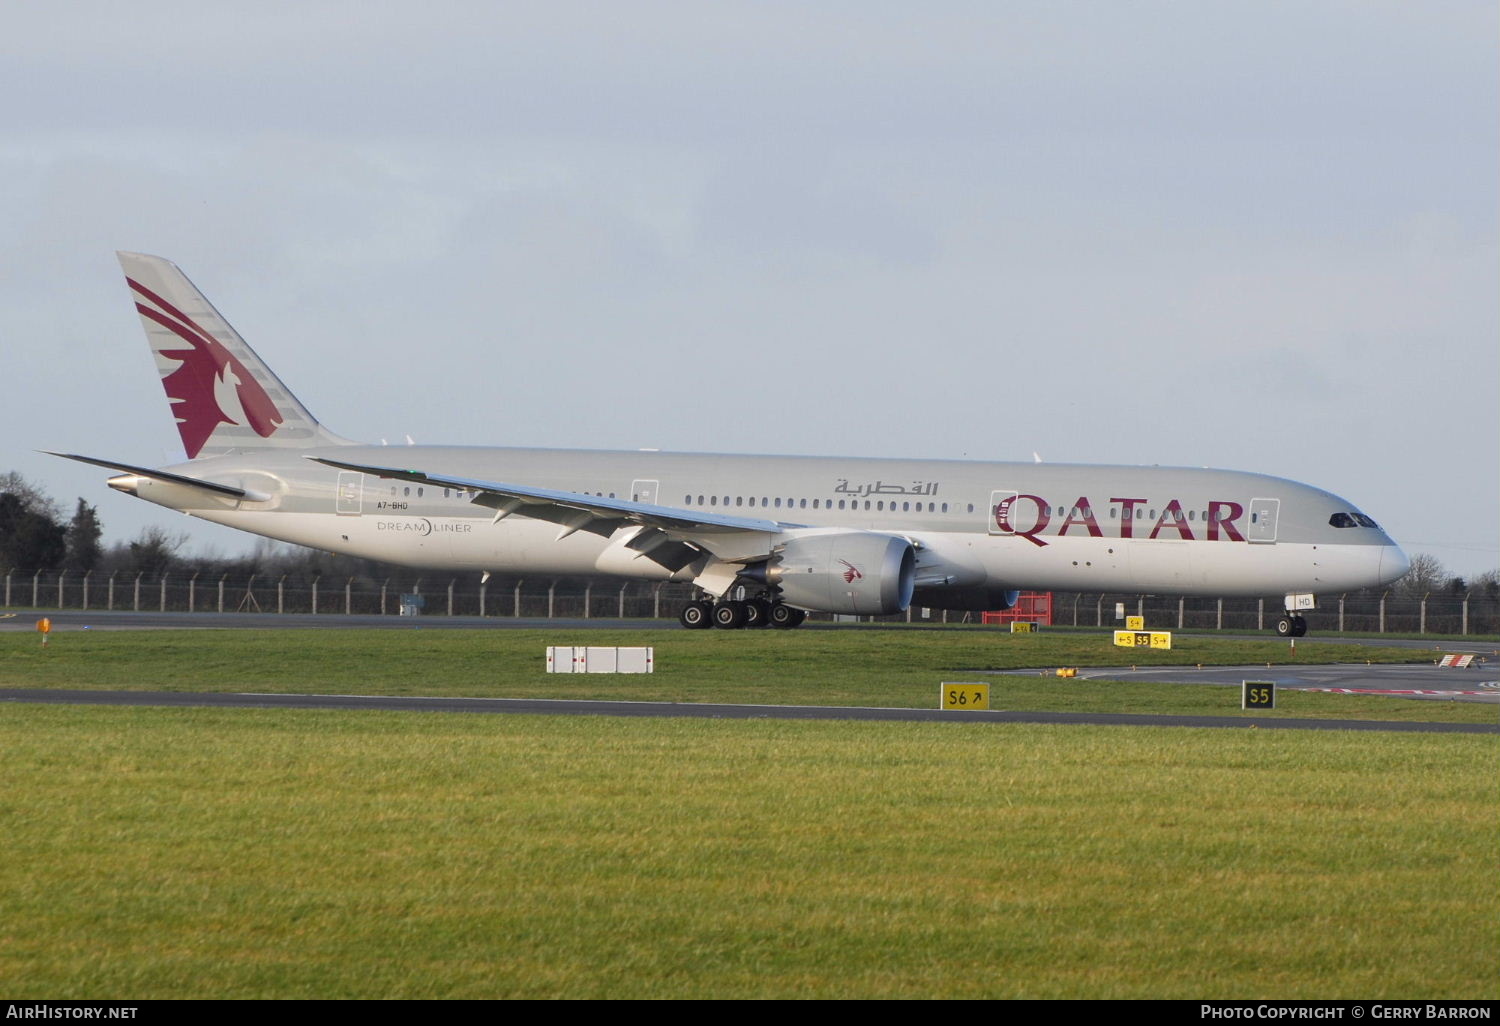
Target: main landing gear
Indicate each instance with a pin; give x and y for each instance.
(736, 613)
(1290, 626)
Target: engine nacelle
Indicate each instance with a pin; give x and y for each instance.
(845, 572)
(986, 597)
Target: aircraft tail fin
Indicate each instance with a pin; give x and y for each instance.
(223, 397)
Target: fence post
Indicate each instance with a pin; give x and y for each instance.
(588, 590)
(1179, 613)
(551, 595)
(450, 596)
(1260, 614)
(484, 588)
(1465, 628)
(163, 602)
(110, 590)
(1382, 612)
(1341, 613)
(1140, 606)
(1219, 613)
(383, 585)
(87, 574)
(36, 594)
(315, 580)
(1099, 611)
(349, 596)
(1422, 615)
(221, 591)
(192, 589)
(656, 601)
(1076, 597)
(622, 599)
(281, 594)
(60, 578)
(137, 605)
(7, 586)
(516, 600)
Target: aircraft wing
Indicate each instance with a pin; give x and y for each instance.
(575, 511)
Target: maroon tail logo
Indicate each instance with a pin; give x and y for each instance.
(852, 574)
(207, 378)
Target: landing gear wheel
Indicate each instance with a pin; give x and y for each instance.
(1299, 626)
(757, 613)
(785, 617)
(1285, 628)
(730, 616)
(697, 616)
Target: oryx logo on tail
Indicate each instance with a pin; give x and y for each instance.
(210, 386)
(853, 573)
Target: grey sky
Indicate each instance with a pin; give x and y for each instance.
(1258, 236)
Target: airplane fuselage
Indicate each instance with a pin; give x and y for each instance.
(977, 525)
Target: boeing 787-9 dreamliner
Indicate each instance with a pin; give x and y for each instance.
(764, 538)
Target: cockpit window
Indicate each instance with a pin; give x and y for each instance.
(1351, 520)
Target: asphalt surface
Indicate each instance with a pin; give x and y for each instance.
(554, 707)
(1433, 683)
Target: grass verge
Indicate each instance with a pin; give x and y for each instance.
(167, 853)
(878, 667)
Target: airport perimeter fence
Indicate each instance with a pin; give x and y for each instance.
(605, 599)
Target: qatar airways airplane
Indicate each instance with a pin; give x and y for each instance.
(764, 538)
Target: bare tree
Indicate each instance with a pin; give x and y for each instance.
(1426, 575)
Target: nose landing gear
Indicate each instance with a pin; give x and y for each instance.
(1291, 626)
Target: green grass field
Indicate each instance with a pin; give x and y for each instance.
(162, 853)
(168, 853)
(893, 668)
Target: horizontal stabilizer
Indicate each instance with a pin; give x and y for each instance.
(161, 475)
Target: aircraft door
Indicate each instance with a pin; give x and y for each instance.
(1262, 525)
(351, 493)
(644, 491)
(998, 514)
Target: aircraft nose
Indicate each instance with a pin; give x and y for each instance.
(1393, 563)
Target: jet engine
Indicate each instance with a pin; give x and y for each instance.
(845, 572)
